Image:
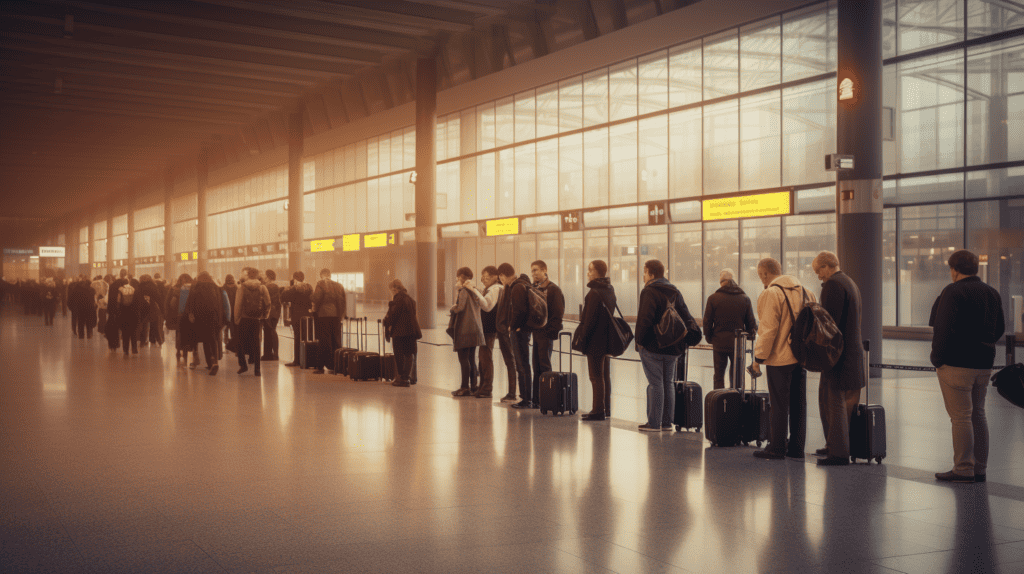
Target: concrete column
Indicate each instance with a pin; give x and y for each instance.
(859, 133)
(426, 197)
(131, 237)
(202, 174)
(169, 227)
(296, 217)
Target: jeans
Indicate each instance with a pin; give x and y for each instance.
(467, 363)
(661, 394)
(541, 362)
(787, 392)
(521, 352)
(249, 342)
(328, 332)
(836, 408)
(487, 364)
(963, 391)
(270, 338)
(505, 345)
(722, 360)
(600, 368)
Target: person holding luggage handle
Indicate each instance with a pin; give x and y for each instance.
(468, 331)
(839, 389)
(727, 309)
(544, 338)
(403, 329)
(595, 325)
(298, 296)
(513, 313)
(787, 380)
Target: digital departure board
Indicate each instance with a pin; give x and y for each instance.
(744, 206)
(507, 226)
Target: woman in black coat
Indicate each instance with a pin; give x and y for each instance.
(403, 329)
(82, 303)
(595, 328)
(204, 309)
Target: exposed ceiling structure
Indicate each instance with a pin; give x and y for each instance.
(99, 96)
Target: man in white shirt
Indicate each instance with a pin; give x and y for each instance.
(488, 314)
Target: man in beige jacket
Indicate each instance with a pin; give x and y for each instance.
(777, 307)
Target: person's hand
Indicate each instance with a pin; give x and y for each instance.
(755, 370)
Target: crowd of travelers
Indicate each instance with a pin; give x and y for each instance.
(967, 320)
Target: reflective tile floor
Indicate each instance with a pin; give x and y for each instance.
(114, 464)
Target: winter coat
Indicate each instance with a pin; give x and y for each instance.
(966, 320)
(275, 299)
(251, 284)
(80, 297)
(162, 289)
(171, 305)
(400, 320)
(728, 309)
(514, 306)
(300, 297)
(114, 305)
(204, 306)
(841, 298)
(654, 299)
(556, 309)
(329, 299)
(596, 324)
(775, 320)
(231, 288)
(150, 308)
(469, 330)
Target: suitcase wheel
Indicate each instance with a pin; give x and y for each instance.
(543, 411)
(677, 428)
(878, 460)
(759, 444)
(698, 429)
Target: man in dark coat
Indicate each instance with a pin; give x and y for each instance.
(967, 320)
(544, 338)
(727, 310)
(205, 311)
(595, 328)
(270, 338)
(839, 389)
(403, 329)
(299, 296)
(513, 311)
(329, 302)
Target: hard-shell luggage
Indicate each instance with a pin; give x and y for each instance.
(755, 408)
(722, 415)
(867, 425)
(559, 391)
(364, 365)
(342, 354)
(689, 413)
(308, 345)
(388, 369)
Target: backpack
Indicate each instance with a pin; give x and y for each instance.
(1009, 381)
(538, 303)
(670, 329)
(127, 294)
(253, 305)
(814, 339)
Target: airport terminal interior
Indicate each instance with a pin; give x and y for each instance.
(409, 139)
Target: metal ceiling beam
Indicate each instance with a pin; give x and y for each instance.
(121, 112)
(70, 90)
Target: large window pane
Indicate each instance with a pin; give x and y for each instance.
(986, 17)
(526, 179)
(547, 110)
(484, 126)
(547, 176)
(684, 73)
(721, 251)
(928, 234)
(888, 266)
(804, 236)
(467, 197)
(570, 172)
(573, 271)
(595, 98)
(804, 42)
(686, 265)
(526, 116)
(808, 132)
(721, 65)
(932, 112)
(653, 82)
(506, 181)
(622, 266)
(721, 147)
(929, 23)
(653, 241)
(760, 45)
(995, 183)
(570, 104)
(486, 199)
(989, 224)
(760, 238)
(930, 188)
(622, 188)
(622, 90)
(504, 122)
(888, 33)
(653, 153)
(760, 142)
(686, 147)
(995, 104)
(595, 168)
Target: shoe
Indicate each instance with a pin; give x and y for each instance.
(522, 405)
(592, 417)
(243, 370)
(795, 455)
(834, 461)
(666, 428)
(193, 365)
(400, 384)
(953, 477)
(608, 414)
(508, 399)
(979, 478)
(821, 452)
(480, 395)
(256, 372)
(648, 428)
(319, 372)
(768, 455)
(461, 393)
(213, 370)
(292, 364)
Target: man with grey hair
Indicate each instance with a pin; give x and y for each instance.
(727, 310)
(967, 320)
(777, 308)
(839, 389)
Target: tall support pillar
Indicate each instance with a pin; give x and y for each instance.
(426, 197)
(296, 216)
(859, 133)
(202, 173)
(169, 274)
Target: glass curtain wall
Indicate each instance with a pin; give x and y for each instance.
(148, 236)
(185, 231)
(248, 225)
(99, 249)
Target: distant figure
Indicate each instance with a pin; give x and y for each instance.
(252, 306)
(488, 300)
(205, 312)
(513, 312)
(727, 310)
(599, 307)
(299, 298)
(50, 296)
(966, 320)
(270, 338)
(329, 305)
(466, 330)
(403, 329)
(99, 287)
(544, 338)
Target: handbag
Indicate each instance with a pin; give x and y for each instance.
(620, 335)
(451, 327)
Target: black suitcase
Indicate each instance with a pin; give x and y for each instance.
(559, 391)
(755, 408)
(689, 413)
(342, 354)
(308, 345)
(364, 365)
(388, 369)
(867, 425)
(722, 417)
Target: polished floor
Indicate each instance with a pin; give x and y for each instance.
(114, 464)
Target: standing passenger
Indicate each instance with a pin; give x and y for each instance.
(513, 312)
(99, 287)
(544, 337)
(468, 331)
(299, 298)
(252, 306)
(50, 295)
(230, 330)
(329, 306)
(596, 326)
(205, 312)
(270, 338)
(488, 318)
(403, 329)
(728, 309)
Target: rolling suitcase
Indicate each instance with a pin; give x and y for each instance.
(364, 365)
(755, 408)
(559, 391)
(689, 412)
(309, 347)
(388, 369)
(722, 415)
(341, 354)
(867, 424)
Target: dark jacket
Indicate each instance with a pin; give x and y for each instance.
(596, 324)
(400, 320)
(275, 299)
(114, 304)
(967, 320)
(149, 309)
(654, 300)
(231, 288)
(299, 296)
(469, 331)
(162, 289)
(81, 297)
(840, 296)
(514, 306)
(171, 307)
(728, 309)
(329, 299)
(556, 309)
(205, 305)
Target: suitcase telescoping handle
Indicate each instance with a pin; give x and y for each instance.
(867, 372)
(380, 338)
(560, 352)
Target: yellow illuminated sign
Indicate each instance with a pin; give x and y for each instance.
(184, 256)
(760, 205)
(350, 242)
(318, 245)
(195, 255)
(375, 240)
(507, 226)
